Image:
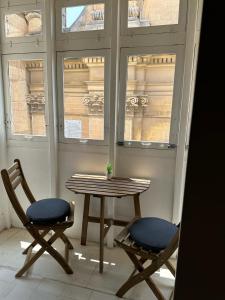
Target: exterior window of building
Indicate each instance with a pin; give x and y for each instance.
(84, 97)
(145, 13)
(149, 96)
(27, 97)
(23, 24)
(83, 18)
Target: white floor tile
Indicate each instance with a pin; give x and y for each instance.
(5, 288)
(102, 296)
(47, 280)
(77, 293)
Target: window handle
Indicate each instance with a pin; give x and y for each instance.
(172, 146)
(120, 143)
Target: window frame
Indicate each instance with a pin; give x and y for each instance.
(60, 78)
(178, 50)
(27, 39)
(173, 28)
(99, 34)
(6, 3)
(8, 105)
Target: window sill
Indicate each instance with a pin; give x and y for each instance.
(147, 145)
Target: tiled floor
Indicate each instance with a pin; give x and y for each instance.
(47, 281)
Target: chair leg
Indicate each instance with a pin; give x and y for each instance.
(155, 289)
(46, 246)
(138, 263)
(66, 241)
(58, 257)
(170, 268)
(143, 275)
(36, 256)
(34, 243)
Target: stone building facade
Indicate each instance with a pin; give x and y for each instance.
(148, 98)
(23, 24)
(153, 12)
(26, 82)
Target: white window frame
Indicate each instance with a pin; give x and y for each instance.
(37, 38)
(176, 102)
(99, 34)
(126, 31)
(8, 4)
(29, 56)
(60, 68)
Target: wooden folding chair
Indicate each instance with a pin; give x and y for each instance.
(41, 217)
(148, 239)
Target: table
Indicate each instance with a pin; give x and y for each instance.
(101, 187)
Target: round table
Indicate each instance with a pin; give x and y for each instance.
(100, 186)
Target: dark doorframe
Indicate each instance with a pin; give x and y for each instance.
(201, 258)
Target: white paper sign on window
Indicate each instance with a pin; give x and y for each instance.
(73, 129)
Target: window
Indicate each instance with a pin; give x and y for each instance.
(26, 93)
(151, 68)
(83, 18)
(145, 13)
(149, 95)
(153, 16)
(84, 96)
(147, 83)
(23, 24)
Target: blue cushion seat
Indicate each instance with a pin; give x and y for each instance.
(153, 234)
(48, 211)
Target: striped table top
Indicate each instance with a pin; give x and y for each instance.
(101, 186)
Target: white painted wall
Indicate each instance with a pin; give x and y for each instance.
(34, 159)
(157, 165)
(4, 208)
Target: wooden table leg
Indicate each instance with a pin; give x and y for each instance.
(137, 207)
(85, 219)
(102, 223)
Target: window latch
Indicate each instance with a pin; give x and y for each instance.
(120, 143)
(172, 146)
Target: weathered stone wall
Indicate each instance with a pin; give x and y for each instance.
(82, 78)
(16, 25)
(27, 83)
(161, 12)
(23, 24)
(150, 80)
(18, 90)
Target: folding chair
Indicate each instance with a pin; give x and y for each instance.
(40, 218)
(148, 239)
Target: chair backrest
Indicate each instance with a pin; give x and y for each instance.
(12, 178)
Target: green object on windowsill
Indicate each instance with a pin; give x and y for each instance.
(109, 171)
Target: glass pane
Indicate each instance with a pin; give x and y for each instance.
(26, 87)
(143, 13)
(149, 95)
(83, 18)
(23, 24)
(84, 98)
